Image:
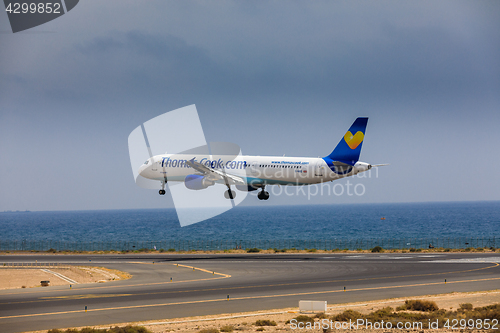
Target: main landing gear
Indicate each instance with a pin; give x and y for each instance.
(263, 195)
(162, 191)
(229, 194)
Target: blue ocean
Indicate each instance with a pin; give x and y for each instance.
(275, 224)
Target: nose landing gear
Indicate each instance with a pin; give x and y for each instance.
(162, 191)
(230, 194)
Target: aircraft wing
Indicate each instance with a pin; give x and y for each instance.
(215, 174)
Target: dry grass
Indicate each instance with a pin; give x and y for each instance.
(265, 322)
(429, 311)
(209, 330)
(419, 305)
(227, 328)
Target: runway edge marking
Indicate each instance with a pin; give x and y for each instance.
(203, 270)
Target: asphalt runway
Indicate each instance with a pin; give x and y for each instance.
(201, 284)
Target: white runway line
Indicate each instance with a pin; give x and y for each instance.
(65, 278)
(470, 260)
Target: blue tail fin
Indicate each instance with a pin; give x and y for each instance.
(349, 148)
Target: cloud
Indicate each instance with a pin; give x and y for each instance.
(338, 51)
(276, 78)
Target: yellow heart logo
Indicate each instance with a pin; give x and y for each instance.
(353, 141)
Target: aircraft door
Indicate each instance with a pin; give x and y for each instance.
(154, 164)
(319, 169)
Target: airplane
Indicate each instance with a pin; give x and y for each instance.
(251, 173)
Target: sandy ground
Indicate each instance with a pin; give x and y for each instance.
(12, 278)
(245, 322)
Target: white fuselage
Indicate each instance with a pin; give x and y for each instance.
(257, 170)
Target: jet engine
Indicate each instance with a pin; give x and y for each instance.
(197, 182)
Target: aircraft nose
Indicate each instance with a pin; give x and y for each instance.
(143, 170)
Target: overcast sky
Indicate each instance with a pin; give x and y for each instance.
(275, 77)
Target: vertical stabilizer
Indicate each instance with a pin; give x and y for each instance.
(349, 147)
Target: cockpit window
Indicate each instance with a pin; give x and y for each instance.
(146, 162)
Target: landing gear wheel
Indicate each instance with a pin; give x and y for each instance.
(162, 191)
(263, 195)
(231, 195)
